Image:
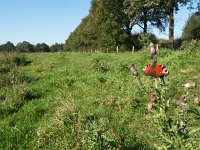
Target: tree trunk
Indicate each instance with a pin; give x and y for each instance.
(171, 27)
(145, 20)
(145, 27)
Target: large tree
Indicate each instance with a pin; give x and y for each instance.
(42, 47)
(86, 34)
(106, 26)
(145, 12)
(113, 23)
(170, 7)
(192, 27)
(8, 46)
(57, 47)
(25, 47)
(83, 37)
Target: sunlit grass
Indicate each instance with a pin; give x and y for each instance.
(91, 100)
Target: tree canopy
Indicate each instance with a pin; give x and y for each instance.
(192, 27)
(8, 46)
(42, 47)
(28, 47)
(110, 23)
(25, 47)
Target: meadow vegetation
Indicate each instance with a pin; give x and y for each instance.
(91, 101)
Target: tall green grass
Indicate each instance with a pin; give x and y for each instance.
(90, 100)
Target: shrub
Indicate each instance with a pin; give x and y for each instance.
(178, 43)
(164, 43)
(13, 82)
(143, 39)
(20, 60)
(191, 46)
(100, 64)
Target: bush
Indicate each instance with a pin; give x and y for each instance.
(101, 64)
(20, 60)
(147, 38)
(14, 91)
(143, 39)
(192, 46)
(164, 43)
(13, 59)
(178, 43)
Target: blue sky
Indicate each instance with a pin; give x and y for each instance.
(51, 21)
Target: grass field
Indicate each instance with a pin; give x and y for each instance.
(92, 101)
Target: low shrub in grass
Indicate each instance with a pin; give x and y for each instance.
(191, 46)
(101, 64)
(13, 82)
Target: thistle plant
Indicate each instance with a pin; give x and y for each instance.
(171, 126)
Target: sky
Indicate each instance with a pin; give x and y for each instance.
(51, 21)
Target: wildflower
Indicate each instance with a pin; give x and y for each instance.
(152, 54)
(182, 101)
(134, 70)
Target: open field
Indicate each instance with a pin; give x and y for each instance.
(92, 101)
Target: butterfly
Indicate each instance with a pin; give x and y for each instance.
(155, 70)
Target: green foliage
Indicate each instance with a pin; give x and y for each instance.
(84, 37)
(172, 126)
(163, 43)
(57, 47)
(13, 59)
(146, 12)
(110, 24)
(192, 28)
(104, 27)
(8, 47)
(24, 47)
(41, 47)
(178, 43)
(146, 38)
(13, 83)
(143, 39)
(191, 46)
(27, 47)
(100, 64)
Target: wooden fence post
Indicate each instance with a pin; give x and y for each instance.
(156, 47)
(133, 49)
(117, 49)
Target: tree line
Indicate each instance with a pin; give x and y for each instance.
(28, 47)
(110, 23)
